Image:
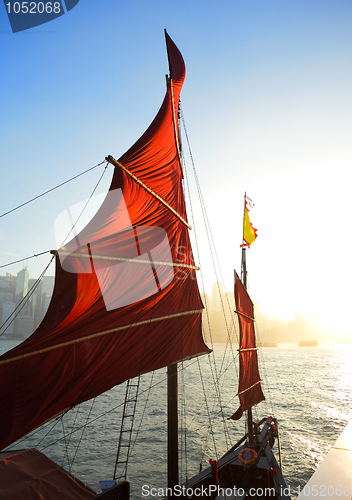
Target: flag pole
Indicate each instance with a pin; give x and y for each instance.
(243, 262)
(244, 282)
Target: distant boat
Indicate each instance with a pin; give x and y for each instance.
(267, 344)
(308, 343)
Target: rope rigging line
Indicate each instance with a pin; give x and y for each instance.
(86, 204)
(83, 431)
(207, 223)
(215, 377)
(65, 443)
(141, 312)
(138, 392)
(52, 189)
(87, 385)
(262, 369)
(87, 423)
(211, 242)
(101, 415)
(230, 328)
(57, 418)
(50, 424)
(210, 428)
(27, 258)
(208, 228)
(211, 246)
(26, 298)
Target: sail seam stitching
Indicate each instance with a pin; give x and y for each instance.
(99, 334)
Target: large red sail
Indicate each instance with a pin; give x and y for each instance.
(249, 387)
(120, 306)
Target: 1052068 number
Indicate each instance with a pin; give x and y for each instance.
(33, 7)
(323, 490)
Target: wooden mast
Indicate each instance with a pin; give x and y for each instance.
(172, 427)
(172, 382)
(244, 282)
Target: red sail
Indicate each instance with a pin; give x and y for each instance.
(249, 387)
(120, 306)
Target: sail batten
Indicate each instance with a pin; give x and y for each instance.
(111, 318)
(249, 388)
(135, 261)
(150, 191)
(244, 315)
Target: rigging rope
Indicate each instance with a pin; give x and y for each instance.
(27, 258)
(212, 248)
(26, 298)
(65, 442)
(150, 324)
(210, 428)
(262, 367)
(106, 412)
(52, 189)
(50, 424)
(207, 225)
(81, 436)
(86, 204)
(56, 420)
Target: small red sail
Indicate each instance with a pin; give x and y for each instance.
(249, 387)
(125, 300)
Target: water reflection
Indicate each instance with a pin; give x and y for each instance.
(307, 389)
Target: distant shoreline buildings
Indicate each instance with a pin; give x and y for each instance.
(219, 323)
(20, 317)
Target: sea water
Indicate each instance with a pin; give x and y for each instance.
(308, 389)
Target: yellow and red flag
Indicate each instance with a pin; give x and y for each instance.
(249, 232)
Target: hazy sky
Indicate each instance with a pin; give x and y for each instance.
(268, 108)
